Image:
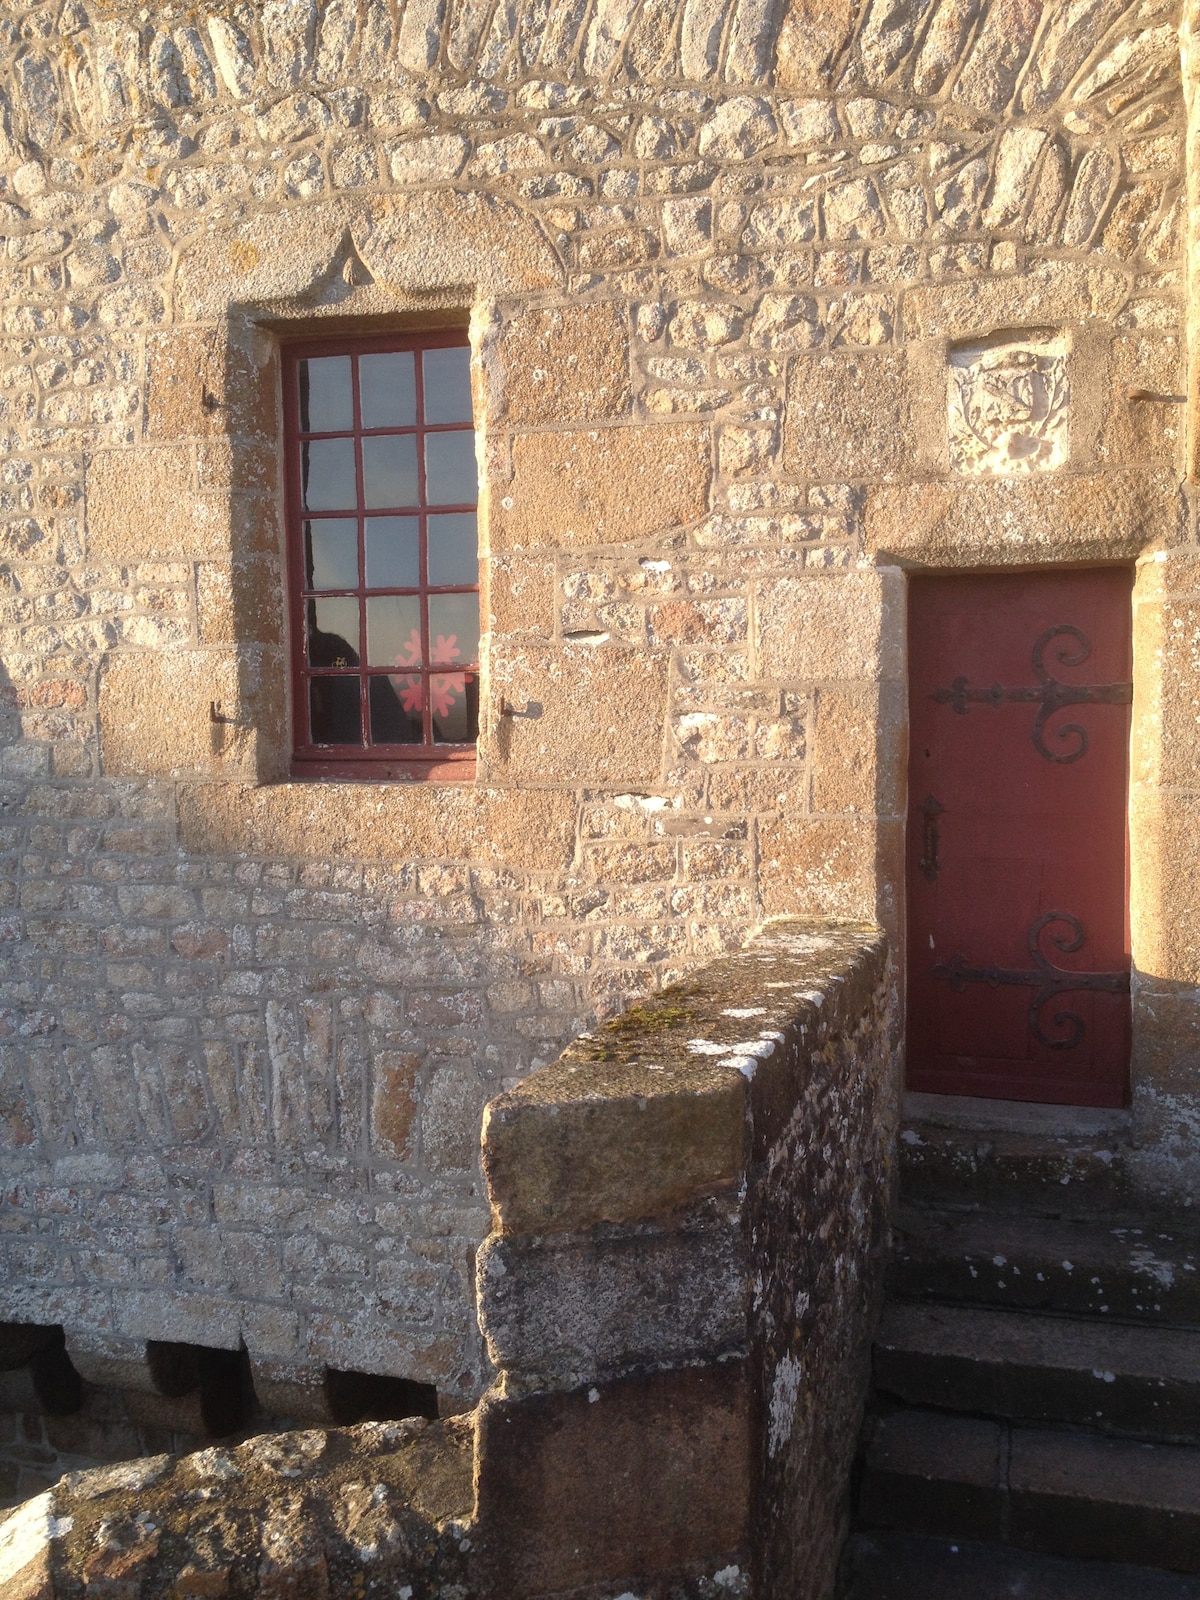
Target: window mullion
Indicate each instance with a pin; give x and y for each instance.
(422, 551)
(364, 699)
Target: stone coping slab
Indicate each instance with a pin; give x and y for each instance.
(672, 1100)
(316, 1513)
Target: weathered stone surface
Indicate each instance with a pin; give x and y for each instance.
(25, 1549)
(674, 1452)
(292, 1389)
(830, 629)
(611, 1159)
(854, 771)
(565, 365)
(1068, 518)
(848, 416)
(622, 740)
(1163, 910)
(310, 1513)
(193, 375)
(812, 37)
(603, 485)
(134, 740)
(1053, 292)
(738, 129)
(572, 1309)
(423, 242)
(263, 259)
(818, 866)
(146, 506)
(377, 822)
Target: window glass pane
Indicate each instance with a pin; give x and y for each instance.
(394, 631)
(450, 476)
(448, 385)
(326, 401)
(390, 470)
(396, 709)
(453, 629)
(331, 553)
(453, 549)
(387, 390)
(393, 553)
(333, 711)
(332, 633)
(454, 698)
(327, 474)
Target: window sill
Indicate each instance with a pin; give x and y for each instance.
(453, 769)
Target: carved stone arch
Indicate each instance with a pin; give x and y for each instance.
(416, 243)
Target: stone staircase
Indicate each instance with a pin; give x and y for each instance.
(1035, 1426)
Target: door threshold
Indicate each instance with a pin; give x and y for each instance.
(1012, 1116)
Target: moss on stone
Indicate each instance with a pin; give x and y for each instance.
(618, 1040)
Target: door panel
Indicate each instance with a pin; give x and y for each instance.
(1018, 946)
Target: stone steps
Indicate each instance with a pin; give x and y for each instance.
(1028, 1366)
(900, 1566)
(1113, 1271)
(1049, 1491)
(1035, 1433)
(1031, 1159)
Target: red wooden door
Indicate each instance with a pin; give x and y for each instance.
(1018, 946)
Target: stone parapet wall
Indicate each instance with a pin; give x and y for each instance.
(689, 1215)
(734, 279)
(689, 1210)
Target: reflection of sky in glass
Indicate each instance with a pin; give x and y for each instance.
(387, 390)
(333, 633)
(333, 711)
(332, 553)
(453, 616)
(390, 470)
(393, 553)
(392, 622)
(327, 473)
(453, 549)
(326, 398)
(450, 473)
(391, 478)
(448, 385)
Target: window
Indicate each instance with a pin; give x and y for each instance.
(383, 555)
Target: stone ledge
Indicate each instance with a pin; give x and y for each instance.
(295, 1515)
(659, 1107)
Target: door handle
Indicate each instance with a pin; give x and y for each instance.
(931, 810)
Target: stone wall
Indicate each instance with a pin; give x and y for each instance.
(37, 1447)
(690, 1212)
(732, 275)
(689, 1209)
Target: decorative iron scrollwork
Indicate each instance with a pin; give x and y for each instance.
(929, 864)
(1049, 696)
(1049, 980)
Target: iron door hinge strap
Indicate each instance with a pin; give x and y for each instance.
(1050, 695)
(1049, 981)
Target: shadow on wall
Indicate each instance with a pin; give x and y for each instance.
(178, 1399)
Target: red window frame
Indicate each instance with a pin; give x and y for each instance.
(370, 761)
